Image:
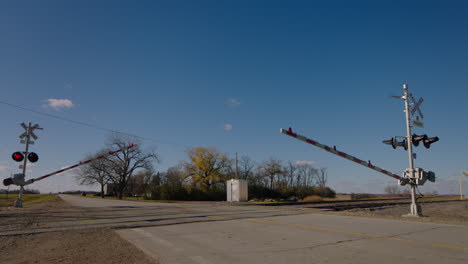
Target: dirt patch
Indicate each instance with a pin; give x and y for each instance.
(79, 246)
(454, 212)
(100, 245)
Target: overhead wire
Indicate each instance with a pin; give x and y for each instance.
(87, 124)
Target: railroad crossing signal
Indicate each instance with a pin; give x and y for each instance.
(18, 179)
(413, 176)
(415, 139)
(426, 140)
(395, 143)
(418, 122)
(18, 157)
(29, 133)
(25, 139)
(416, 105)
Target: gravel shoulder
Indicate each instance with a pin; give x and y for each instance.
(453, 212)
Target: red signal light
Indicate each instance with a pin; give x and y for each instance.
(17, 156)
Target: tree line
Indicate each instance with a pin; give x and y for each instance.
(202, 176)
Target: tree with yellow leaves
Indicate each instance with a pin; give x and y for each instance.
(206, 166)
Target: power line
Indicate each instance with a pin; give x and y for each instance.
(85, 124)
(72, 121)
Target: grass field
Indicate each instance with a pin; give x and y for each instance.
(9, 200)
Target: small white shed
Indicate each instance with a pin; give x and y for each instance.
(237, 190)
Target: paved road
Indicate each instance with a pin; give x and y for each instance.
(309, 238)
(216, 233)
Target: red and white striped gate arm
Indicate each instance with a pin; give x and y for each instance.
(84, 162)
(339, 153)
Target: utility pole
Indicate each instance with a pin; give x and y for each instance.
(237, 168)
(464, 173)
(415, 210)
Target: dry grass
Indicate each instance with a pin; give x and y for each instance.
(339, 197)
(9, 200)
(312, 198)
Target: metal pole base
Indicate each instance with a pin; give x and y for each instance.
(19, 203)
(415, 211)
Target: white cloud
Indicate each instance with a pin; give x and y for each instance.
(306, 162)
(58, 104)
(4, 168)
(233, 102)
(228, 127)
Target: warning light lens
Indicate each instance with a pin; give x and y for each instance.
(33, 157)
(17, 156)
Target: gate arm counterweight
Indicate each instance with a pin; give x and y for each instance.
(339, 153)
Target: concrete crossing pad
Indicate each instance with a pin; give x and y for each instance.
(309, 238)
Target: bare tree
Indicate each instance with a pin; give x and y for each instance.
(258, 177)
(246, 167)
(392, 190)
(305, 175)
(290, 173)
(174, 176)
(322, 177)
(125, 163)
(140, 182)
(272, 168)
(96, 172)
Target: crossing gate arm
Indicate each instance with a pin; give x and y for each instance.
(83, 163)
(333, 150)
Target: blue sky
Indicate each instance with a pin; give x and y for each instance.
(181, 72)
